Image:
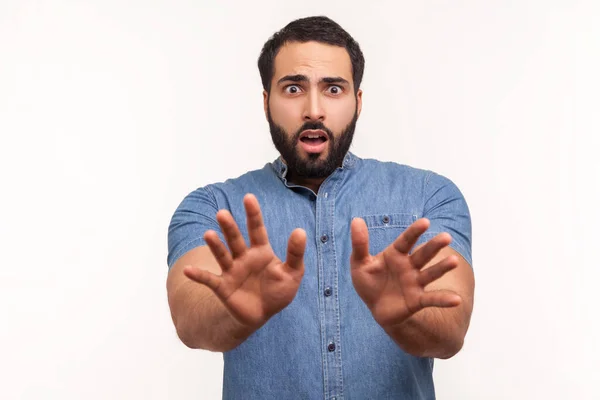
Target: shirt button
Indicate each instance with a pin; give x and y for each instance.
(331, 346)
(324, 238)
(386, 219)
(328, 291)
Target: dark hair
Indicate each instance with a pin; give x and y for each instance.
(319, 29)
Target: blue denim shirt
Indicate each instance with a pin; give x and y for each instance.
(326, 344)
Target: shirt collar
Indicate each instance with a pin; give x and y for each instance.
(281, 168)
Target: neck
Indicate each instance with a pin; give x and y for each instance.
(312, 183)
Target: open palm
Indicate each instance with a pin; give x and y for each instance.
(392, 283)
(254, 284)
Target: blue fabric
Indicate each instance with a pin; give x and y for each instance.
(326, 344)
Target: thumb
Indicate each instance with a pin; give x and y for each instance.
(296, 248)
(360, 240)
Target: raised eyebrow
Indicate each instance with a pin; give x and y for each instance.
(304, 78)
(293, 78)
(335, 79)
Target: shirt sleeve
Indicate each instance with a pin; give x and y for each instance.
(447, 211)
(195, 215)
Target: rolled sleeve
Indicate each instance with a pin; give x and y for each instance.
(193, 217)
(447, 210)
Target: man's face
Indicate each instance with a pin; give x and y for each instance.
(312, 109)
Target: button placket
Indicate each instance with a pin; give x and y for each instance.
(329, 305)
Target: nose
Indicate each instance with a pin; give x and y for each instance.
(313, 109)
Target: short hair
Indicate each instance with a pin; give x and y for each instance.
(319, 29)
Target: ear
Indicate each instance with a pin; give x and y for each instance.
(266, 103)
(358, 102)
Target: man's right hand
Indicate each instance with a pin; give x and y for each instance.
(254, 284)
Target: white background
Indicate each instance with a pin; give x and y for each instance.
(111, 112)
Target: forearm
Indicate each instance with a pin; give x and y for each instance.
(431, 332)
(203, 322)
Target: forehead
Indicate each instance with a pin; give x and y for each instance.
(313, 59)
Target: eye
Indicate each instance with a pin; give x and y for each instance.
(335, 89)
(292, 89)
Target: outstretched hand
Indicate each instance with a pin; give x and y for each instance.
(392, 283)
(254, 284)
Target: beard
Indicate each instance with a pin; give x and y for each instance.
(312, 167)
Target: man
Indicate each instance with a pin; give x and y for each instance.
(322, 275)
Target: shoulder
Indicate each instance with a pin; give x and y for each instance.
(420, 185)
(220, 190)
(403, 174)
(372, 165)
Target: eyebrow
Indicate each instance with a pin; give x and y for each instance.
(304, 78)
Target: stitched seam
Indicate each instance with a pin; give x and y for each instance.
(426, 183)
(321, 303)
(182, 250)
(387, 227)
(337, 314)
(382, 215)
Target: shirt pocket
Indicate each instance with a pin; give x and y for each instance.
(385, 228)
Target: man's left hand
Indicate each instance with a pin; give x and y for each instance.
(392, 283)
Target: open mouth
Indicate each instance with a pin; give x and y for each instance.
(313, 140)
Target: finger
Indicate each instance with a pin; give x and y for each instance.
(360, 240)
(232, 233)
(296, 248)
(440, 298)
(256, 228)
(438, 270)
(409, 237)
(429, 250)
(202, 276)
(218, 249)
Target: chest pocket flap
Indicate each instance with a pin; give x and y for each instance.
(391, 220)
(385, 228)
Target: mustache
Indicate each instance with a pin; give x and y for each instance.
(313, 125)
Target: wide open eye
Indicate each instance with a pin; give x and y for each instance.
(292, 89)
(335, 90)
